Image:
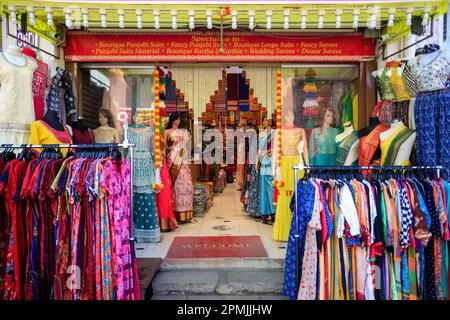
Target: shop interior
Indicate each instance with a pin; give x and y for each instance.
(225, 195)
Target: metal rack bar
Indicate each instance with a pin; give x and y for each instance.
(66, 146)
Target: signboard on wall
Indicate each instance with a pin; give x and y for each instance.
(207, 47)
(24, 39)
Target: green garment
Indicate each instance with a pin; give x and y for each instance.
(322, 147)
(347, 113)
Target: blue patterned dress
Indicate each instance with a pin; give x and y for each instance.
(305, 206)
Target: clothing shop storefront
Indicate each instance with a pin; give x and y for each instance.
(340, 85)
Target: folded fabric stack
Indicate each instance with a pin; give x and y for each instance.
(200, 200)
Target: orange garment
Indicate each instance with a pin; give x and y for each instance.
(369, 144)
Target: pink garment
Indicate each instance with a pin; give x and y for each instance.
(115, 179)
(308, 284)
(40, 82)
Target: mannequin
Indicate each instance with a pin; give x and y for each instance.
(81, 133)
(291, 136)
(14, 55)
(145, 217)
(369, 146)
(264, 167)
(106, 132)
(396, 144)
(179, 169)
(322, 144)
(49, 130)
(431, 72)
(40, 83)
(348, 146)
(16, 96)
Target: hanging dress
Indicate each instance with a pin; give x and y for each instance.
(290, 140)
(431, 112)
(322, 147)
(266, 187)
(145, 213)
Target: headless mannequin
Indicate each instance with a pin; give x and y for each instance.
(373, 122)
(353, 153)
(404, 152)
(15, 56)
(51, 118)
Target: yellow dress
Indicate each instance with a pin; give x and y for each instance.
(42, 133)
(387, 147)
(289, 158)
(398, 85)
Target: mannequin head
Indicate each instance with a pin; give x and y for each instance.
(267, 123)
(106, 118)
(289, 118)
(174, 121)
(327, 116)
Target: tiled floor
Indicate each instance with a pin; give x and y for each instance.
(226, 217)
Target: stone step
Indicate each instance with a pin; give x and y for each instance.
(218, 282)
(222, 263)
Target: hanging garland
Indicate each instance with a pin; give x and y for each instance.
(158, 185)
(278, 182)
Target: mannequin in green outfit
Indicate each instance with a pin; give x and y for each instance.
(322, 143)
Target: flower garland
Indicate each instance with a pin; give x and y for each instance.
(278, 180)
(157, 185)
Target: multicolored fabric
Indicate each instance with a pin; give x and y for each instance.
(391, 146)
(252, 206)
(305, 205)
(432, 119)
(344, 146)
(308, 284)
(387, 92)
(433, 75)
(406, 219)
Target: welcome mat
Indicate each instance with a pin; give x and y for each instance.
(217, 247)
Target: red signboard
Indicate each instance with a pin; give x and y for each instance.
(207, 47)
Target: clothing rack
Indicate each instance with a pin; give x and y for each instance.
(87, 146)
(343, 168)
